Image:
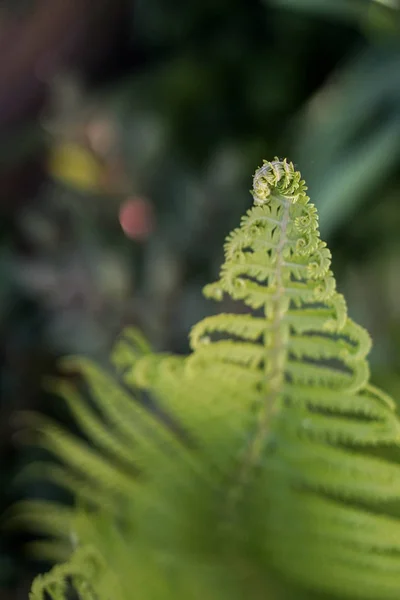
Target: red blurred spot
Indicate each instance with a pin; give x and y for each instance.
(136, 218)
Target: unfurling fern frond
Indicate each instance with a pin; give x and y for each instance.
(277, 469)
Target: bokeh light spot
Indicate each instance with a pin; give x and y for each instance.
(136, 217)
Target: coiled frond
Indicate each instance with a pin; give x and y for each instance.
(280, 465)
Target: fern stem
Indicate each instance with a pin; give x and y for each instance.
(273, 370)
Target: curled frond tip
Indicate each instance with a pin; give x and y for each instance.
(278, 176)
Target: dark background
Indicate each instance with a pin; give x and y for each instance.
(129, 134)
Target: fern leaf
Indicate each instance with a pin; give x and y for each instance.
(279, 469)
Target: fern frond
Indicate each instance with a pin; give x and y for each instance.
(278, 466)
(303, 364)
(83, 571)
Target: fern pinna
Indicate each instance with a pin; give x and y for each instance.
(277, 471)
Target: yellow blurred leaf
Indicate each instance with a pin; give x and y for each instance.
(76, 166)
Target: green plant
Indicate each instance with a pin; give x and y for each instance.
(274, 468)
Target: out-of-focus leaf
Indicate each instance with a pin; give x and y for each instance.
(370, 13)
(348, 182)
(75, 166)
(349, 138)
(343, 9)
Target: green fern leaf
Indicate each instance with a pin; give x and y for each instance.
(278, 467)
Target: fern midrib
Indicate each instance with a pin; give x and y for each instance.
(273, 370)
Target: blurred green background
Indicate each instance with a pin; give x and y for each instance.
(130, 130)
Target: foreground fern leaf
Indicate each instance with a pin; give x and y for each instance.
(277, 470)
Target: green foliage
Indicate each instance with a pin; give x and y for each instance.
(270, 468)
